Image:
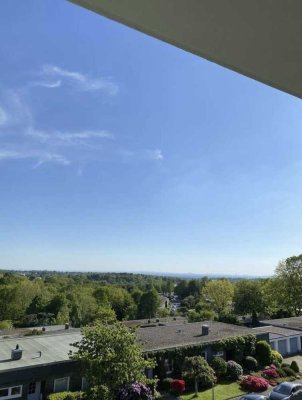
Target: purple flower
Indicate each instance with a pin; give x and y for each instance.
(135, 391)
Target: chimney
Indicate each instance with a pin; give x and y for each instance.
(204, 330)
(16, 353)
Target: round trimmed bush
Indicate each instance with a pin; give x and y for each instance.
(294, 366)
(289, 371)
(276, 357)
(254, 383)
(251, 363)
(234, 370)
(219, 365)
(263, 352)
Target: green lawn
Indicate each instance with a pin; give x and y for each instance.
(222, 391)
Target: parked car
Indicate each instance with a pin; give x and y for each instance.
(254, 396)
(284, 390)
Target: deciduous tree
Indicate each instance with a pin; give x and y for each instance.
(219, 293)
(110, 358)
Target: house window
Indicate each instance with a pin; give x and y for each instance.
(61, 384)
(84, 384)
(32, 388)
(168, 366)
(11, 392)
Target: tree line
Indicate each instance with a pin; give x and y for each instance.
(38, 298)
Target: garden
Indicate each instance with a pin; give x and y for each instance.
(227, 379)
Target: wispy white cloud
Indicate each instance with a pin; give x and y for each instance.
(39, 156)
(50, 85)
(81, 81)
(68, 138)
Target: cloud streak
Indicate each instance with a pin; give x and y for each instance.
(79, 80)
(68, 138)
(39, 156)
(50, 85)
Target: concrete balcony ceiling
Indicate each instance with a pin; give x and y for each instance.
(261, 39)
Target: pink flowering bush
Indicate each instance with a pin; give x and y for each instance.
(254, 383)
(177, 386)
(270, 373)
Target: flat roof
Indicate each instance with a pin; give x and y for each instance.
(276, 332)
(185, 334)
(54, 348)
(259, 39)
(155, 321)
(292, 322)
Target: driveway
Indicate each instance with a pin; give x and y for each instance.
(296, 358)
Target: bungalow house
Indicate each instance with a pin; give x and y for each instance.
(170, 342)
(31, 367)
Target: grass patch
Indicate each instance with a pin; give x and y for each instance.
(223, 390)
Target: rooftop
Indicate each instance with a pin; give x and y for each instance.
(19, 332)
(276, 332)
(53, 347)
(292, 322)
(155, 322)
(184, 334)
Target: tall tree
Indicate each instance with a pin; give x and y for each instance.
(248, 297)
(219, 293)
(289, 275)
(149, 304)
(110, 357)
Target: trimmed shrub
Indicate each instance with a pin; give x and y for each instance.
(254, 383)
(276, 357)
(197, 369)
(66, 396)
(263, 352)
(250, 363)
(177, 386)
(6, 324)
(294, 366)
(135, 391)
(165, 384)
(270, 373)
(285, 365)
(289, 371)
(281, 373)
(234, 370)
(219, 365)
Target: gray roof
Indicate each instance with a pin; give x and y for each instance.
(49, 329)
(276, 332)
(184, 334)
(155, 321)
(53, 347)
(293, 322)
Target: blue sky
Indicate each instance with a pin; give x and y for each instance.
(119, 152)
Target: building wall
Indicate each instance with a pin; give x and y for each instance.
(44, 374)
